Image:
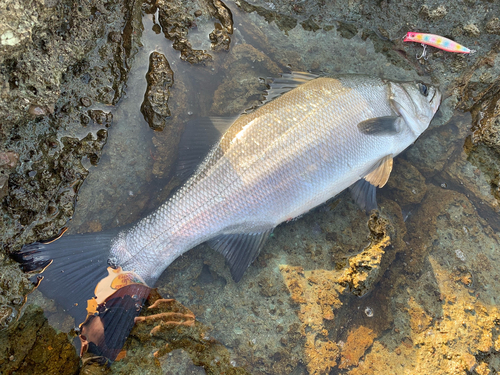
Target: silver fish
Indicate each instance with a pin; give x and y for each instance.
(279, 162)
(273, 164)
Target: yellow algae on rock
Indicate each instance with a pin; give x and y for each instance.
(380, 360)
(358, 341)
(443, 345)
(482, 369)
(419, 320)
(321, 355)
(317, 292)
(363, 269)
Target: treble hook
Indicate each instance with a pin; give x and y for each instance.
(424, 53)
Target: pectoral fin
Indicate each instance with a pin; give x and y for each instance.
(380, 172)
(387, 125)
(240, 249)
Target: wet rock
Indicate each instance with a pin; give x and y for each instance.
(176, 20)
(317, 293)
(406, 185)
(160, 78)
(220, 11)
(8, 161)
(86, 102)
(493, 26)
(364, 268)
(33, 347)
(37, 110)
(483, 146)
(244, 64)
(220, 39)
(13, 289)
(472, 30)
(284, 22)
(52, 77)
(358, 341)
(310, 25)
(167, 327)
(100, 117)
(440, 315)
(434, 14)
(468, 173)
(486, 117)
(17, 24)
(434, 149)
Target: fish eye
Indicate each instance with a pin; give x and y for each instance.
(423, 89)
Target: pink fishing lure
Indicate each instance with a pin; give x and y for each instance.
(437, 41)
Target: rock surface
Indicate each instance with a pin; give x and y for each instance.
(426, 264)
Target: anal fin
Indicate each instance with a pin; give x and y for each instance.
(240, 249)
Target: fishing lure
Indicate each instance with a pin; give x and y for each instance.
(436, 41)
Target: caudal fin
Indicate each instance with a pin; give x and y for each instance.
(74, 268)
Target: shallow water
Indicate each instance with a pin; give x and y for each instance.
(429, 301)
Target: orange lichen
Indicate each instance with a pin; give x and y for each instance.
(358, 341)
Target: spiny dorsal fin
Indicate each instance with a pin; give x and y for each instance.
(287, 82)
(240, 249)
(199, 137)
(380, 172)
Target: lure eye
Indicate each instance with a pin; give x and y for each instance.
(423, 89)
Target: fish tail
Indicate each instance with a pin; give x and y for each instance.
(75, 273)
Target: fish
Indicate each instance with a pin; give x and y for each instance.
(312, 138)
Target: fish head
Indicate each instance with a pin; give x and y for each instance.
(416, 103)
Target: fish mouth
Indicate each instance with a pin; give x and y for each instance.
(435, 99)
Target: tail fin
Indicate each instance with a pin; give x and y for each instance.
(74, 269)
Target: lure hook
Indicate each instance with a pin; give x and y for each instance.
(424, 53)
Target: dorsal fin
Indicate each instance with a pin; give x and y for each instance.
(287, 82)
(240, 249)
(380, 172)
(199, 137)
